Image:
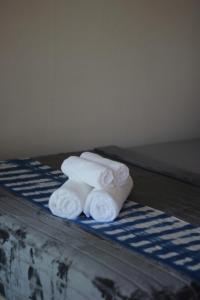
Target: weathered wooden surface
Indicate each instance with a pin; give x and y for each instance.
(44, 257)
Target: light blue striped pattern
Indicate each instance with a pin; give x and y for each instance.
(139, 228)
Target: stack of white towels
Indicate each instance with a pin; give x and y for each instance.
(96, 186)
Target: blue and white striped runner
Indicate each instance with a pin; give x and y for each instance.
(139, 228)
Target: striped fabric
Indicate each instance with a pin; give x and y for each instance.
(140, 228)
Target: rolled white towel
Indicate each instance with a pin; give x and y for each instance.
(105, 205)
(89, 172)
(120, 170)
(68, 201)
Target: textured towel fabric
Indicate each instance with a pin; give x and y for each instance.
(120, 171)
(105, 205)
(91, 173)
(68, 200)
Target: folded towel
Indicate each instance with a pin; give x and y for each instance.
(86, 171)
(105, 205)
(120, 171)
(68, 200)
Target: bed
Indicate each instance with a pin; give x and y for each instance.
(43, 257)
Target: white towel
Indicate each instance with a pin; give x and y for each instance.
(105, 205)
(86, 171)
(68, 201)
(120, 170)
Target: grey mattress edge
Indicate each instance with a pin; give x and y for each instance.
(179, 160)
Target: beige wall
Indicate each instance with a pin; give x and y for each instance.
(82, 73)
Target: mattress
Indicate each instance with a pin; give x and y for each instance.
(44, 257)
(179, 159)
